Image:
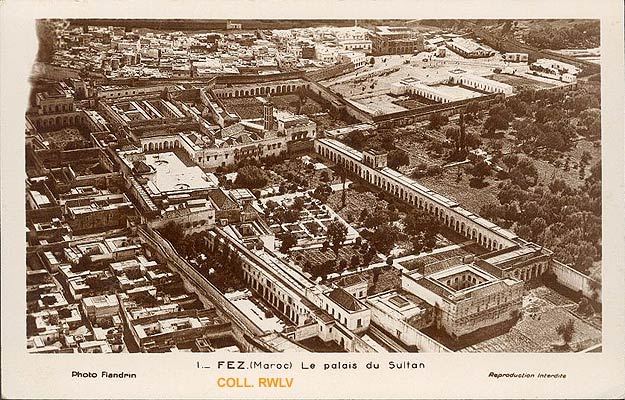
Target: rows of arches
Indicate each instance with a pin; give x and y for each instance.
(260, 91)
(256, 284)
(430, 96)
(530, 272)
(161, 145)
(483, 86)
(57, 108)
(58, 121)
(449, 218)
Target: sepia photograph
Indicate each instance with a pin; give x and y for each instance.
(314, 186)
(300, 201)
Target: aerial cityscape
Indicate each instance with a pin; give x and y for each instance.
(380, 186)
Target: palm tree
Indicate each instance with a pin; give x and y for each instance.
(462, 140)
(342, 173)
(566, 330)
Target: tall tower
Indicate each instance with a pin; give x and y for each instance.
(268, 116)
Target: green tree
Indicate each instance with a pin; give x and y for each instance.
(538, 226)
(423, 228)
(356, 139)
(271, 205)
(322, 192)
(376, 219)
(527, 168)
(434, 170)
(418, 221)
(472, 108)
(368, 256)
(494, 123)
(558, 186)
(84, 262)
(462, 139)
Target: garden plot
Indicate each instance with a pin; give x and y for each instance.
(66, 139)
(305, 172)
(304, 217)
(355, 202)
(318, 256)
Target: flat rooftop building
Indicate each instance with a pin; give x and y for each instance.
(395, 40)
(165, 173)
(469, 298)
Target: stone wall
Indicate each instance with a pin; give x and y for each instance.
(409, 335)
(206, 291)
(402, 118)
(54, 72)
(304, 332)
(330, 72)
(576, 281)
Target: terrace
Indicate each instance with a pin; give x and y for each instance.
(167, 173)
(255, 309)
(402, 306)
